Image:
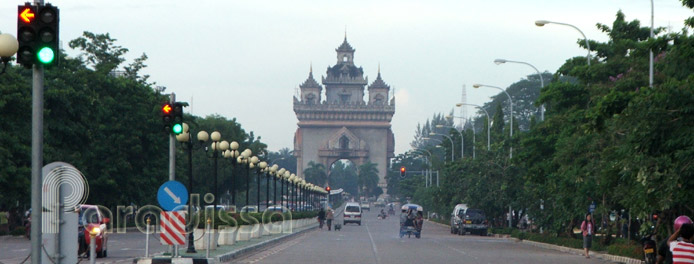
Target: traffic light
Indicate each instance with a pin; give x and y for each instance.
(37, 34)
(26, 34)
(177, 126)
(403, 171)
(167, 116)
(47, 46)
(327, 189)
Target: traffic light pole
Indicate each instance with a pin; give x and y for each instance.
(36, 159)
(172, 147)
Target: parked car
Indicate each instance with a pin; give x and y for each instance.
(473, 221)
(455, 218)
(352, 213)
(90, 218)
(365, 206)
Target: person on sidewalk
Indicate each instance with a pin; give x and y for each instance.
(682, 251)
(588, 229)
(329, 217)
(321, 218)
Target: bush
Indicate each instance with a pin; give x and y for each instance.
(18, 231)
(3, 232)
(501, 231)
(625, 248)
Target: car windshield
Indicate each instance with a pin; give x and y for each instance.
(352, 209)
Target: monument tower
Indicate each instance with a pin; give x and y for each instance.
(342, 125)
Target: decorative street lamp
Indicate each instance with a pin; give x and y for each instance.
(286, 176)
(541, 23)
(8, 47)
(510, 102)
(186, 139)
(261, 169)
(272, 170)
(234, 155)
(217, 147)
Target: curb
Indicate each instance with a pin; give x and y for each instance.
(173, 260)
(226, 257)
(576, 251)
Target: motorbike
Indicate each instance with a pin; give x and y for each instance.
(649, 249)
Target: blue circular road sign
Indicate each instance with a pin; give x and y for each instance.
(172, 194)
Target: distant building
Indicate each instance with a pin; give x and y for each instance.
(342, 125)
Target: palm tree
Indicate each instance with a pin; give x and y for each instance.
(315, 173)
(368, 177)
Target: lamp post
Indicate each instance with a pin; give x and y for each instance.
(271, 174)
(8, 47)
(489, 120)
(440, 142)
(510, 101)
(186, 139)
(541, 23)
(462, 139)
(216, 147)
(263, 170)
(427, 177)
(234, 155)
(280, 177)
(449, 138)
(251, 165)
(542, 81)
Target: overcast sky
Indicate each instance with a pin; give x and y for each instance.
(244, 59)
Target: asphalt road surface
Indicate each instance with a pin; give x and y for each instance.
(122, 248)
(377, 241)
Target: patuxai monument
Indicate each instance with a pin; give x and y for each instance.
(343, 123)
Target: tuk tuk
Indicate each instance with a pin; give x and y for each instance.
(411, 220)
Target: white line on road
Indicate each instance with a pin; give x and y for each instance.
(373, 245)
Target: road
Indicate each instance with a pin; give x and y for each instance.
(377, 241)
(122, 248)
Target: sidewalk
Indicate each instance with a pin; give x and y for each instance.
(575, 251)
(226, 253)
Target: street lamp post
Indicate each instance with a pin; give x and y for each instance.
(234, 155)
(489, 121)
(541, 23)
(263, 170)
(427, 176)
(271, 174)
(251, 165)
(216, 146)
(510, 101)
(285, 177)
(462, 139)
(542, 81)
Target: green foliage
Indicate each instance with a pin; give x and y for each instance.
(18, 231)
(607, 138)
(315, 173)
(368, 179)
(625, 248)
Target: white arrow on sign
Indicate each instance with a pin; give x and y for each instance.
(173, 196)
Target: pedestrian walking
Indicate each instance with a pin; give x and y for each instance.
(682, 251)
(321, 218)
(329, 217)
(588, 229)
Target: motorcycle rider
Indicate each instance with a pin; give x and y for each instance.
(664, 253)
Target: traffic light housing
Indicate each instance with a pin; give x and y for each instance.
(167, 116)
(47, 46)
(177, 125)
(26, 34)
(37, 34)
(327, 188)
(403, 172)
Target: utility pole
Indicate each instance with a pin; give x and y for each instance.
(172, 147)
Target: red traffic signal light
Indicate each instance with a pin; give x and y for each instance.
(403, 171)
(166, 109)
(327, 188)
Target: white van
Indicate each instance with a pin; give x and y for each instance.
(352, 213)
(455, 217)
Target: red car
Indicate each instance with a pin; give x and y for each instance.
(91, 217)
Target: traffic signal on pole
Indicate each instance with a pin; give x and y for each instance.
(167, 116)
(37, 34)
(177, 125)
(47, 46)
(403, 171)
(26, 34)
(327, 188)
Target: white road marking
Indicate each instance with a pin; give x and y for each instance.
(373, 245)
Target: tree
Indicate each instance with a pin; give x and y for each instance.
(315, 173)
(368, 178)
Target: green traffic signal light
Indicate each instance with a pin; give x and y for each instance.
(45, 55)
(177, 129)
